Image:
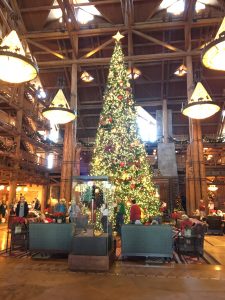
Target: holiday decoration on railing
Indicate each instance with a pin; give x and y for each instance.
(213, 141)
(179, 142)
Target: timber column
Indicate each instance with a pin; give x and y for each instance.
(69, 144)
(19, 121)
(195, 167)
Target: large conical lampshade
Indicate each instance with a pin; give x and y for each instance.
(200, 106)
(59, 111)
(213, 54)
(15, 67)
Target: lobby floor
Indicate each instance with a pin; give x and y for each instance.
(25, 278)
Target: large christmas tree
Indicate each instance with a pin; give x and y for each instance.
(118, 151)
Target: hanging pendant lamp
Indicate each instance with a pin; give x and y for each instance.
(133, 73)
(212, 188)
(213, 54)
(181, 70)
(200, 106)
(59, 111)
(15, 67)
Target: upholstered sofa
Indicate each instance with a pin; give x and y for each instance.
(148, 241)
(50, 238)
(215, 225)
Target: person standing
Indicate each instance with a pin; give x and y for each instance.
(104, 218)
(2, 211)
(135, 213)
(120, 215)
(22, 208)
(37, 204)
(211, 206)
(201, 208)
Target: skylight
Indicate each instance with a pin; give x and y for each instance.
(54, 133)
(85, 14)
(177, 8)
(146, 125)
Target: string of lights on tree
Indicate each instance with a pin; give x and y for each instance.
(118, 152)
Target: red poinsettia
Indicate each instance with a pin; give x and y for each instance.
(18, 220)
(58, 215)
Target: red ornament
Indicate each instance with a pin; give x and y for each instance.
(120, 97)
(110, 120)
(122, 164)
(132, 186)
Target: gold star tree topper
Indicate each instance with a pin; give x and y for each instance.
(118, 36)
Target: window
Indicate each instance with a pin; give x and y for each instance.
(146, 125)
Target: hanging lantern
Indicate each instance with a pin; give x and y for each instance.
(181, 71)
(133, 73)
(59, 111)
(15, 67)
(86, 77)
(213, 54)
(212, 188)
(200, 106)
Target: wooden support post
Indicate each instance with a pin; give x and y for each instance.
(14, 174)
(12, 190)
(45, 194)
(165, 121)
(69, 144)
(195, 168)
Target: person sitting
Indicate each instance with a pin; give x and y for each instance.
(155, 222)
(185, 223)
(149, 222)
(135, 212)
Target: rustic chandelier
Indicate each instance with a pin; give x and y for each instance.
(213, 53)
(15, 66)
(133, 73)
(59, 111)
(86, 77)
(200, 106)
(181, 71)
(212, 188)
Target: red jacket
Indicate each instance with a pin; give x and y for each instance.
(135, 212)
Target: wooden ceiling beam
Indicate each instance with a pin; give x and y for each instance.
(133, 58)
(48, 50)
(49, 7)
(156, 41)
(173, 125)
(113, 29)
(100, 47)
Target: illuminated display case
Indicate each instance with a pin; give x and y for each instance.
(92, 244)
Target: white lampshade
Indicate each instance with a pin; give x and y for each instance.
(181, 71)
(213, 53)
(15, 67)
(59, 111)
(212, 188)
(200, 106)
(133, 73)
(86, 77)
